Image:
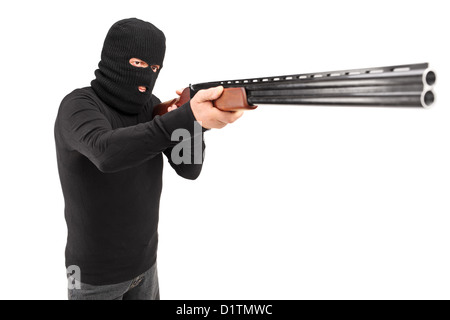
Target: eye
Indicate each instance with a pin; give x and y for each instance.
(155, 68)
(138, 63)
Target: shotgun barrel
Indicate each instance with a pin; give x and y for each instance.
(394, 86)
(402, 85)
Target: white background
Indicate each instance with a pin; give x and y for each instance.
(293, 202)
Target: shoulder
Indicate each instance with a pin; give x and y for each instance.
(83, 95)
(78, 100)
(148, 109)
(155, 100)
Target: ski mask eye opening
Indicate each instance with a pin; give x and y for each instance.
(138, 63)
(155, 68)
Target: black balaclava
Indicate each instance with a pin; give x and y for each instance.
(117, 81)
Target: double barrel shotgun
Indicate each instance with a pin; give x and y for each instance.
(395, 86)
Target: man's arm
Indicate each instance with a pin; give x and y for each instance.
(192, 169)
(85, 129)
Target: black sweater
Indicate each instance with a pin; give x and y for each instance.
(110, 166)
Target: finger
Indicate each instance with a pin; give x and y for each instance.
(219, 124)
(179, 92)
(210, 94)
(229, 117)
(237, 115)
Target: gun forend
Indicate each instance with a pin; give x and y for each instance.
(232, 99)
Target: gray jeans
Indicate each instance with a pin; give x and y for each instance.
(144, 287)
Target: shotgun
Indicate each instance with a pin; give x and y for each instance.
(395, 86)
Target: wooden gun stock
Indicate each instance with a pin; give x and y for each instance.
(232, 99)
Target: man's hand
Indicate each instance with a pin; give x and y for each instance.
(174, 106)
(207, 114)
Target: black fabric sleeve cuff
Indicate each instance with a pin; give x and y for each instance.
(192, 114)
(182, 117)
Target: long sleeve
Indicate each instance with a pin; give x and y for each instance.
(86, 129)
(193, 168)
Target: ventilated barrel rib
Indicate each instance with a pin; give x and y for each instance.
(396, 86)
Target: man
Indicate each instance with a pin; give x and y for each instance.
(109, 151)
